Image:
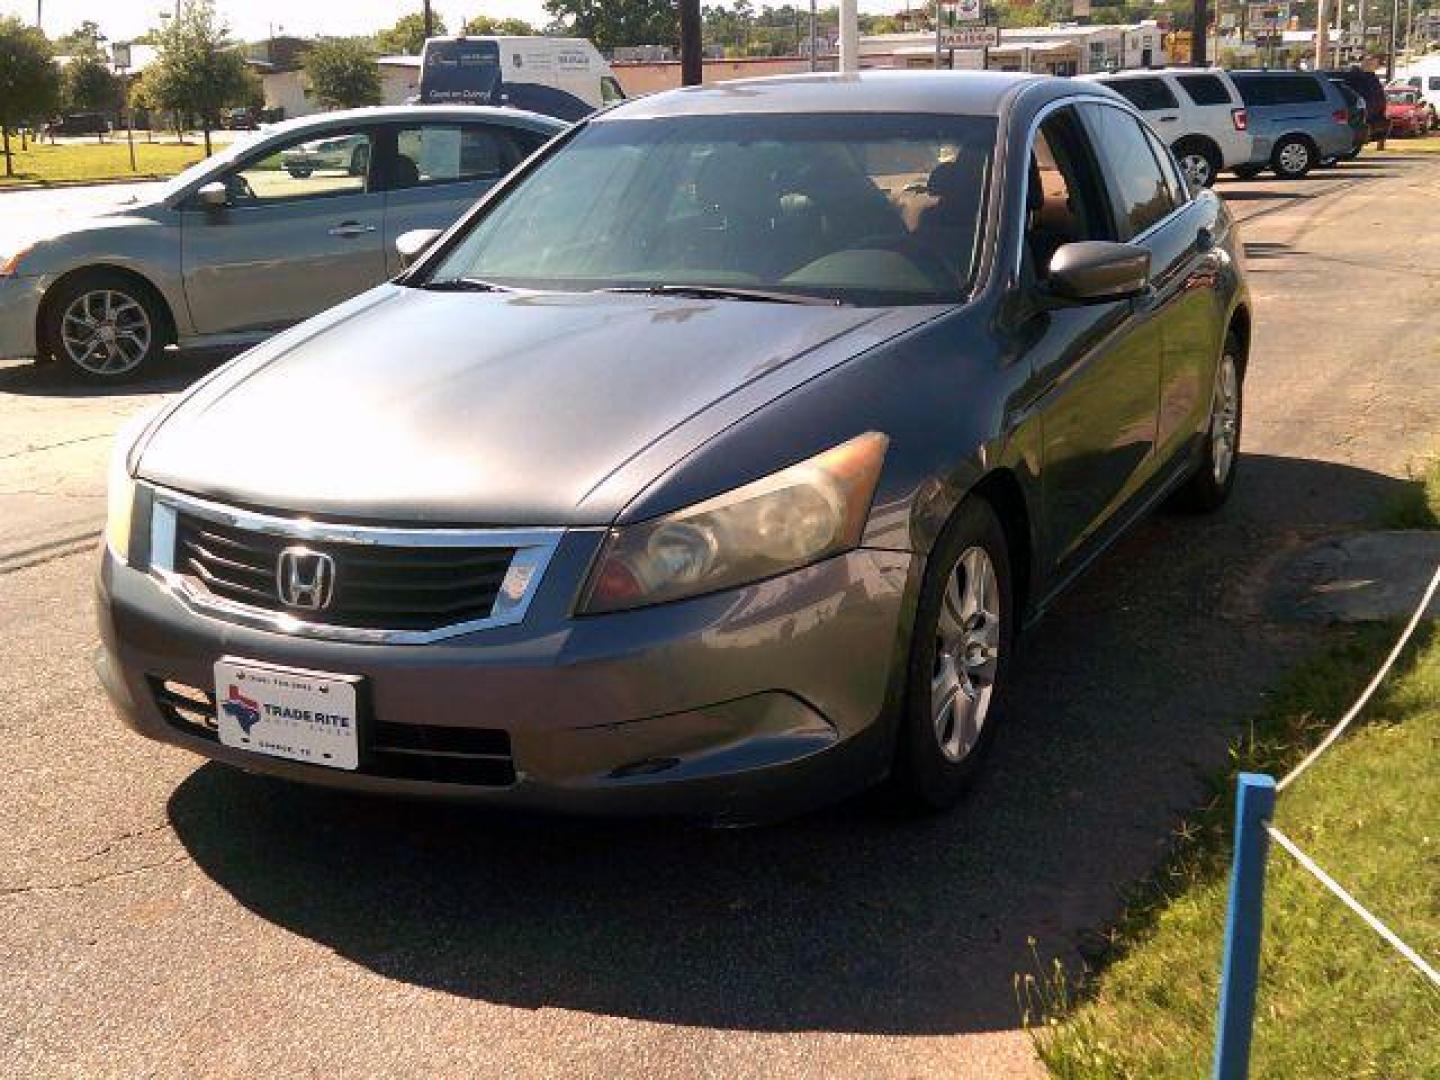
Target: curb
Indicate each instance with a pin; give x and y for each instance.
(44, 185)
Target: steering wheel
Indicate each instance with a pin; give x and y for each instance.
(926, 259)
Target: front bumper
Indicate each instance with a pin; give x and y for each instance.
(744, 705)
(19, 305)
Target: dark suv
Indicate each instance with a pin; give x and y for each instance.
(78, 124)
(1368, 85)
(1299, 119)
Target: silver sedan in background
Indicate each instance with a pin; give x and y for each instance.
(247, 242)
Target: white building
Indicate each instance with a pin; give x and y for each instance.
(290, 89)
(1054, 50)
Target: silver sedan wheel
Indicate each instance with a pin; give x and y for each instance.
(1294, 158)
(967, 654)
(106, 332)
(1224, 419)
(1197, 169)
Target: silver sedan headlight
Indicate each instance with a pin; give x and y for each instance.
(787, 520)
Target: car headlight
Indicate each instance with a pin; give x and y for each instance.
(10, 264)
(119, 504)
(120, 485)
(792, 518)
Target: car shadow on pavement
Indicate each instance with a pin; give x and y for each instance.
(174, 371)
(851, 919)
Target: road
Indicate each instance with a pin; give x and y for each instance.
(165, 917)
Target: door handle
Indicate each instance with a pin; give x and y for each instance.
(351, 228)
(1168, 119)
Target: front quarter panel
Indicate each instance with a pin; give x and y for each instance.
(145, 241)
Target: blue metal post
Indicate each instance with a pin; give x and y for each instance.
(1254, 804)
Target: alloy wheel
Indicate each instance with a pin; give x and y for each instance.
(1224, 418)
(1197, 169)
(106, 332)
(967, 654)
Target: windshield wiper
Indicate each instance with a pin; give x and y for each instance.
(463, 284)
(725, 292)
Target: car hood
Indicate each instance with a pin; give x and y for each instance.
(503, 409)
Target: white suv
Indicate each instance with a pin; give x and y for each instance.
(1197, 111)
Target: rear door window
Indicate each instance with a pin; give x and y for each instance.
(1147, 95)
(1280, 89)
(1204, 89)
(451, 153)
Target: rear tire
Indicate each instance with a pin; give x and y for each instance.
(1198, 161)
(1213, 481)
(959, 661)
(1293, 157)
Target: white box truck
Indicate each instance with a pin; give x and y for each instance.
(562, 77)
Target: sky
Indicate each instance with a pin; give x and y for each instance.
(251, 20)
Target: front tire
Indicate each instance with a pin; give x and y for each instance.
(959, 661)
(1212, 483)
(104, 325)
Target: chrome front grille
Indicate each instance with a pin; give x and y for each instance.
(395, 585)
(376, 587)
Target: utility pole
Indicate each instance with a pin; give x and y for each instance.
(814, 36)
(849, 37)
(1198, 34)
(1322, 35)
(939, 19)
(429, 21)
(1390, 51)
(692, 70)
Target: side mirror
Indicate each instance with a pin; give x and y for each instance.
(213, 196)
(1094, 271)
(411, 245)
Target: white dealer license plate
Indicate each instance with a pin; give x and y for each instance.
(287, 712)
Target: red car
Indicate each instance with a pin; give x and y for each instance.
(1407, 112)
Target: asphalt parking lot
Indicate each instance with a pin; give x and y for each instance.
(160, 916)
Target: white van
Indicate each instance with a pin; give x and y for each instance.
(562, 77)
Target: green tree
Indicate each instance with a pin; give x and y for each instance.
(197, 72)
(486, 25)
(343, 73)
(609, 23)
(29, 82)
(407, 36)
(89, 86)
(85, 40)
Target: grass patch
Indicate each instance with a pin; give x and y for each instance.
(1418, 505)
(96, 161)
(1335, 999)
(1406, 144)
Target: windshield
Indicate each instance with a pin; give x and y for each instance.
(873, 208)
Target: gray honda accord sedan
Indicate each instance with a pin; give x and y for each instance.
(709, 465)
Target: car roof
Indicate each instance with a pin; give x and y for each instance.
(383, 113)
(1140, 73)
(975, 93)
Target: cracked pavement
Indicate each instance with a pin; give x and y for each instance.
(163, 917)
